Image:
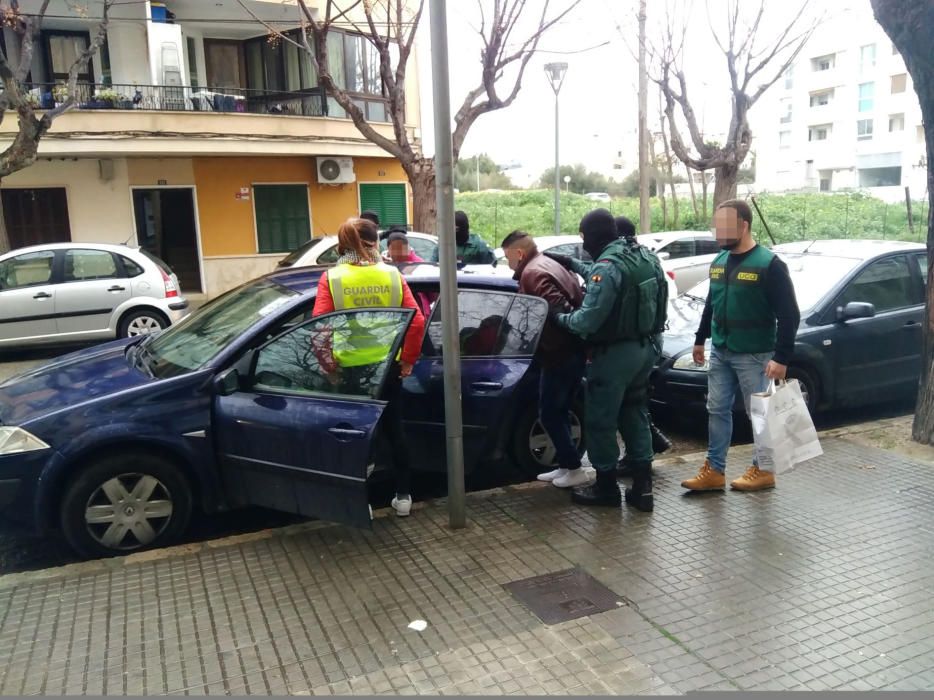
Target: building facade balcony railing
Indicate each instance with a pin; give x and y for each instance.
(166, 98)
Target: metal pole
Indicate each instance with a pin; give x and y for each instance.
(450, 348)
(645, 222)
(478, 172)
(557, 175)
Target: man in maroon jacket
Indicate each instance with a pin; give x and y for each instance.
(560, 354)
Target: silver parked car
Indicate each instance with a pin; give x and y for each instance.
(76, 292)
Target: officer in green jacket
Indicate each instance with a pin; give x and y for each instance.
(621, 320)
(470, 249)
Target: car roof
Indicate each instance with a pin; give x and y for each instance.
(668, 236)
(305, 279)
(110, 247)
(859, 249)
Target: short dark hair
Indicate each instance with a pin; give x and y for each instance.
(370, 215)
(368, 230)
(513, 238)
(624, 227)
(397, 236)
(742, 209)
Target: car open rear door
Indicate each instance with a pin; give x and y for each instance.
(295, 433)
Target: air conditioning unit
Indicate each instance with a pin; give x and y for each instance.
(335, 171)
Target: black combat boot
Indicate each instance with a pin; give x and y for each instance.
(605, 492)
(660, 441)
(639, 495)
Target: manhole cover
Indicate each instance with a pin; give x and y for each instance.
(563, 595)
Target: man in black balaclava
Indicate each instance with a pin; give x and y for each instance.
(471, 249)
(621, 320)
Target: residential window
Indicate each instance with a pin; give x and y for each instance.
(106, 72)
(867, 57)
(896, 122)
(819, 99)
(784, 139)
(899, 83)
(786, 112)
(819, 133)
(62, 50)
(866, 94)
(789, 77)
(192, 61)
(880, 177)
(822, 63)
(282, 218)
(826, 178)
(864, 129)
(920, 133)
(282, 67)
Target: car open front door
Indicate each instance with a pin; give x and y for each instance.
(294, 433)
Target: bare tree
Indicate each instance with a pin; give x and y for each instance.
(752, 70)
(34, 122)
(391, 27)
(908, 24)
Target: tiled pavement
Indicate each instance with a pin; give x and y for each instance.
(823, 583)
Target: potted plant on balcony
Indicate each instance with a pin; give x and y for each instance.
(60, 93)
(112, 99)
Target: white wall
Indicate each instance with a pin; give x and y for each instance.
(129, 58)
(98, 211)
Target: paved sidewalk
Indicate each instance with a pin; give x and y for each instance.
(823, 583)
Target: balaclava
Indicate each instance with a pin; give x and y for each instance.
(599, 231)
(461, 227)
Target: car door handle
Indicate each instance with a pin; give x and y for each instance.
(42, 295)
(911, 324)
(117, 288)
(346, 433)
(487, 386)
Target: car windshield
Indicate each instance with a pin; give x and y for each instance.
(296, 254)
(193, 342)
(813, 277)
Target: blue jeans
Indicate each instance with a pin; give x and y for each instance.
(728, 372)
(556, 391)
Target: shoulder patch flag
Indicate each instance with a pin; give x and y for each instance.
(596, 278)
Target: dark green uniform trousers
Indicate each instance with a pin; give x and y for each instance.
(617, 399)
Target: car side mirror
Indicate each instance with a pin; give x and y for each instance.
(855, 309)
(664, 256)
(227, 382)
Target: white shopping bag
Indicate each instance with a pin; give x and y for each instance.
(782, 427)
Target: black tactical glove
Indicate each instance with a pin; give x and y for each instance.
(565, 261)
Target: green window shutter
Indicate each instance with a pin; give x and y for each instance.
(282, 223)
(389, 201)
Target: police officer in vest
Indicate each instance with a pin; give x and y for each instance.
(621, 320)
(361, 280)
(752, 317)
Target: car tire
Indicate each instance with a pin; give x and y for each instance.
(136, 482)
(141, 322)
(531, 443)
(809, 387)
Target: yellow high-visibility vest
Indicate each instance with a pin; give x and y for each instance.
(362, 287)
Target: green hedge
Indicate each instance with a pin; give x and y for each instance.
(790, 217)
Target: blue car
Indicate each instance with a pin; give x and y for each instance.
(115, 445)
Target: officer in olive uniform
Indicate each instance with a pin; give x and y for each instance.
(621, 319)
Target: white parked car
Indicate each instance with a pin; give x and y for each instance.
(685, 254)
(323, 251)
(598, 196)
(77, 292)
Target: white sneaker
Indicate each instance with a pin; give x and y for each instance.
(552, 475)
(574, 477)
(402, 506)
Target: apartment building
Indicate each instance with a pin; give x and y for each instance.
(844, 117)
(199, 139)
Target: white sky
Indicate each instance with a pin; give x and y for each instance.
(598, 101)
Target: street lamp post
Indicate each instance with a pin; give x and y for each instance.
(555, 73)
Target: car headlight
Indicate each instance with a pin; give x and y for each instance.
(15, 440)
(686, 361)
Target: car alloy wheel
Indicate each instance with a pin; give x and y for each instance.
(542, 448)
(128, 511)
(143, 325)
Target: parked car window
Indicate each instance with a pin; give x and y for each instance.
(329, 256)
(424, 248)
(570, 249)
(524, 322)
(886, 284)
(131, 268)
(922, 262)
(682, 248)
(705, 246)
(26, 270)
(157, 261)
(81, 265)
(306, 360)
(480, 317)
(194, 341)
(297, 254)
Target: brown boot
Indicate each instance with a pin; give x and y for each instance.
(707, 479)
(754, 480)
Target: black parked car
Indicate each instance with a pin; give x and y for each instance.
(862, 307)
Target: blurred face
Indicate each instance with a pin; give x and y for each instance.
(730, 229)
(514, 256)
(399, 251)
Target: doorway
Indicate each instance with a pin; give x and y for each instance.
(224, 64)
(36, 215)
(166, 226)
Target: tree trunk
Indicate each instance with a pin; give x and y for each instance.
(425, 214)
(693, 193)
(4, 235)
(725, 187)
(703, 186)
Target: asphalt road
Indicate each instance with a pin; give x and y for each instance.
(20, 551)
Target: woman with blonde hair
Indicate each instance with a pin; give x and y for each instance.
(360, 266)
